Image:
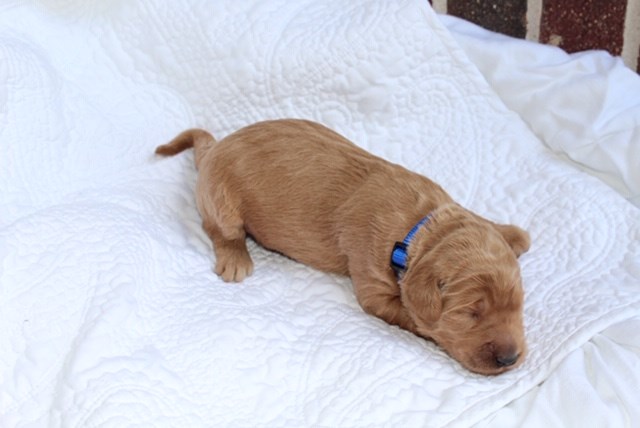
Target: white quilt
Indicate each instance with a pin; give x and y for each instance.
(109, 312)
(585, 106)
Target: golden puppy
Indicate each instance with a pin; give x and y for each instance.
(416, 258)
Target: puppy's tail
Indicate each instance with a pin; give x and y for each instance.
(199, 139)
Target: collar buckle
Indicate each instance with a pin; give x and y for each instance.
(399, 258)
(399, 254)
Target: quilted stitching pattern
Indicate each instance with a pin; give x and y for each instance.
(109, 310)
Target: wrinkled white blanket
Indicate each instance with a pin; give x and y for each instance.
(584, 106)
(110, 312)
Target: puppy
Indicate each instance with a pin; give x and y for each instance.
(416, 258)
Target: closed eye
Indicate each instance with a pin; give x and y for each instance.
(476, 310)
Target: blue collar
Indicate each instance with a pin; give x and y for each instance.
(399, 254)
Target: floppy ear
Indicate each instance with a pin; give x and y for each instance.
(517, 238)
(420, 292)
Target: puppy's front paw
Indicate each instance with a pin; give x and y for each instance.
(234, 267)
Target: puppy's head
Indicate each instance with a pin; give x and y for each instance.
(463, 289)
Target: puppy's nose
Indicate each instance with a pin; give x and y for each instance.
(507, 360)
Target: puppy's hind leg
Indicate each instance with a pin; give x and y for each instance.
(233, 262)
(222, 220)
